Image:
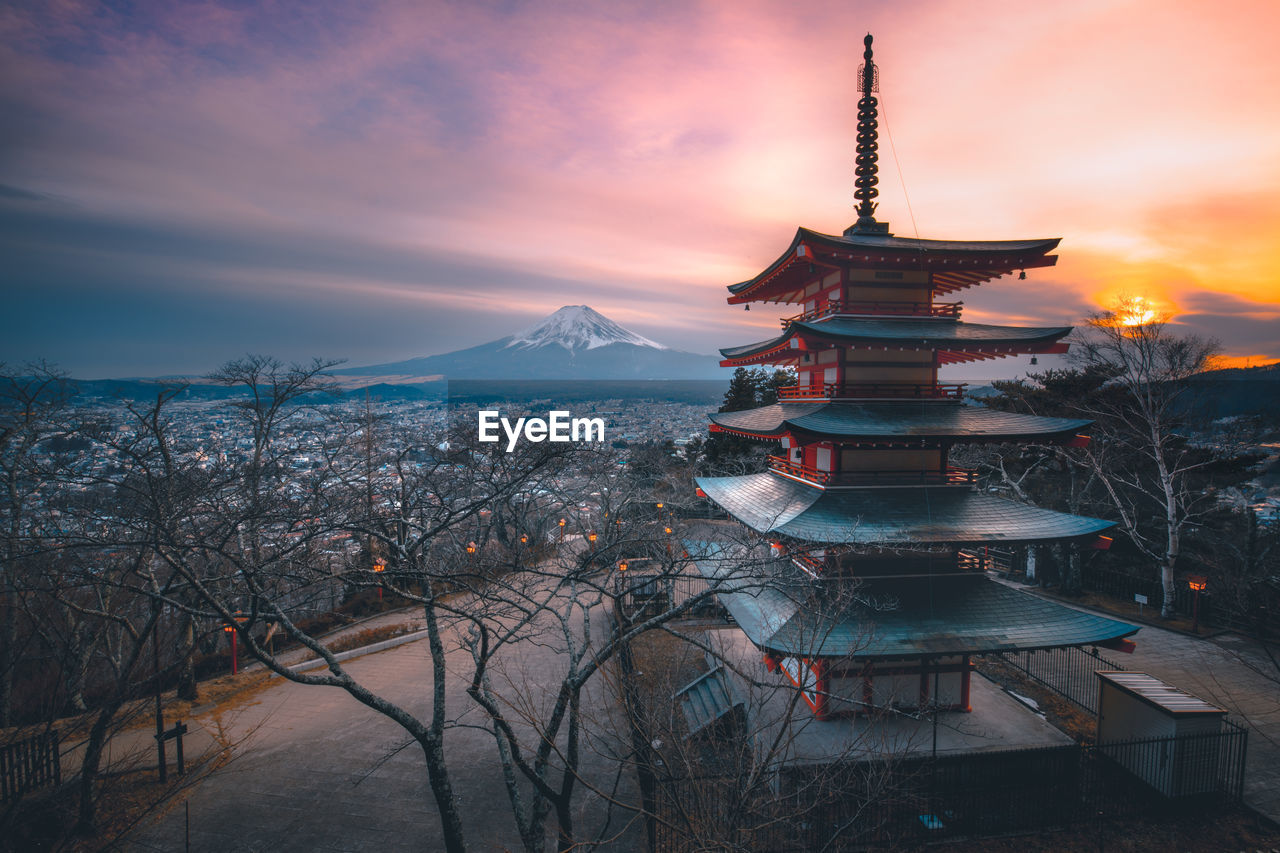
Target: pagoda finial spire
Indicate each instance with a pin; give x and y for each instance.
(866, 161)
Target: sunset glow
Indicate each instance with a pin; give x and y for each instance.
(1137, 311)
(182, 183)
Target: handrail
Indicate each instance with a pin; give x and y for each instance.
(952, 476)
(946, 310)
(873, 390)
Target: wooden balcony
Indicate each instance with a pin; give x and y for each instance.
(944, 310)
(950, 477)
(874, 391)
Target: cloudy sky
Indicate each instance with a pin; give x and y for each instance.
(182, 183)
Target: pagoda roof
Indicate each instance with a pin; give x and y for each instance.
(784, 611)
(955, 264)
(930, 419)
(888, 515)
(975, 339)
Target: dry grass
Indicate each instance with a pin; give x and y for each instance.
(1062, 713)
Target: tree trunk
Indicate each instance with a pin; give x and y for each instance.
(442, 791)
(1168, 590)
(188, 688)
(433, 740)
(92, 763)
(1071, 580)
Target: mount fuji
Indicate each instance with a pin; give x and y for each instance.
(575, 342)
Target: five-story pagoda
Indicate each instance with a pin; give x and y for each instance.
(875, 597)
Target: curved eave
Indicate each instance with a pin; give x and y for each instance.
(955, 264)
(897, 516)
(933, 421)
(956, 341)
(941, 616)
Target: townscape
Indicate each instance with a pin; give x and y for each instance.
(571, 588)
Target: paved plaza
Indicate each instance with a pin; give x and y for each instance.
(314, 770)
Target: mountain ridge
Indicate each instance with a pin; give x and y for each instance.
(573, 342)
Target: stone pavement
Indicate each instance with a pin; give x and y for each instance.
(315, 770)
(1232, 672)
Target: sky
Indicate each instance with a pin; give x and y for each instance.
(182, 183)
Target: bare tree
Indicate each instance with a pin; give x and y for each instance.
(1151, 368)
(33, 403)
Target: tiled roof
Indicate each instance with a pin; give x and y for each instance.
(936, 333)
(1026, 250)
(926, 418)
(783, 611)
(769, 503)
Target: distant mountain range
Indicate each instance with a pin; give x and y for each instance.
(576, 342)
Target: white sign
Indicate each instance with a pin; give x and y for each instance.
(1141, 599)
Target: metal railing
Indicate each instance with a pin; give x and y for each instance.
(1069, 671)
(913, 800)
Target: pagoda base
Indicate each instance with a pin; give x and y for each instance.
(834, 688)
(998, 721)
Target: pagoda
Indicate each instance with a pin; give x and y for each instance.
(874, 594)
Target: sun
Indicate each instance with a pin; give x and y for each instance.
(1135, 311)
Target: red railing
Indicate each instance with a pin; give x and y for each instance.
(873, 391)
(785, 466)
(948, 310)
(950, 477)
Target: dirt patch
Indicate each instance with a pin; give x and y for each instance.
(1062, 713)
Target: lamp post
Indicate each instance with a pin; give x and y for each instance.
(1197, 584)
(562, 530)
(231, 629)
(378, 568)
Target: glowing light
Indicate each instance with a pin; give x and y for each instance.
(1135, 311)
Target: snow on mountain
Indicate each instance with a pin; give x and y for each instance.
(577, 327)
(573, 343)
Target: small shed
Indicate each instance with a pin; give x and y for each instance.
(1163, 735)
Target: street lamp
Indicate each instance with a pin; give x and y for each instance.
(1197, 584)
(231, 629)
(622, 566)
(378, 568)
(471, 547)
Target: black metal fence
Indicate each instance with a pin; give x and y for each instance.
(1250, 610)
(914, 800)
(29, 764)
(1068, 671)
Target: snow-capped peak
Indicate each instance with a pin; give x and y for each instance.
(578, 327)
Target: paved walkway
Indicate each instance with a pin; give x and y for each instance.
(314, 770)
(1232, 672)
